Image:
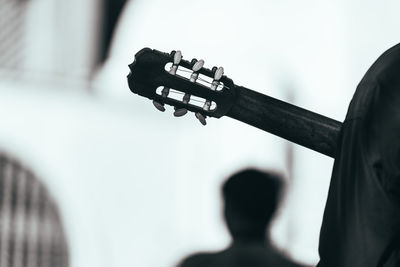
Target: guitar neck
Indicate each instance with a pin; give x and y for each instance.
(290, 122)
(303, 127)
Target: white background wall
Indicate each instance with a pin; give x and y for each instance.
(62, 38)
(132, 182)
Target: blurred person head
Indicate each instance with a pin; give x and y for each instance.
(251, 198)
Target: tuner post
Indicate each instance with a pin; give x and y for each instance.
(197, 65)
(177, 57)
(218, 72)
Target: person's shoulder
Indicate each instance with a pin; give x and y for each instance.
(276, 258)
(385, 68)
(288, 263)
(381, 79)
(198, 259)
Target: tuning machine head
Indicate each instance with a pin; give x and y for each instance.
(168, 79)
(196, 66)
(177, 57)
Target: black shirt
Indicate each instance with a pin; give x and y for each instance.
(240, 255)
(361, 224)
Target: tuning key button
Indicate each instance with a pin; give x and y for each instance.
(177, 57)
(217, 76)
(218, 73)
(201, 118)
(198, 65)
(180, 112)
(159, 106)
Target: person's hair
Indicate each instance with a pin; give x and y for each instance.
(251, 198)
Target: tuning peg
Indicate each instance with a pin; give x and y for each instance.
(217, 76)
(159, 106)
(164, 94)
(201, 118)
(177, 57)
(176, 61)
(180, 112)
(218, 73)
(198, 65)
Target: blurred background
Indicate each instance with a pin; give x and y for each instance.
(136, 187)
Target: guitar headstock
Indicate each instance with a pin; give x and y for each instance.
(167, 79)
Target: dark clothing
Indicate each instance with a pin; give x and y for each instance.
(361, 223)
(245, 255)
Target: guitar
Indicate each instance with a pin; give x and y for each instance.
(167, 79)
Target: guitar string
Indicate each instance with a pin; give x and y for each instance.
(202, 102)
(192, 99)
(199, 78)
